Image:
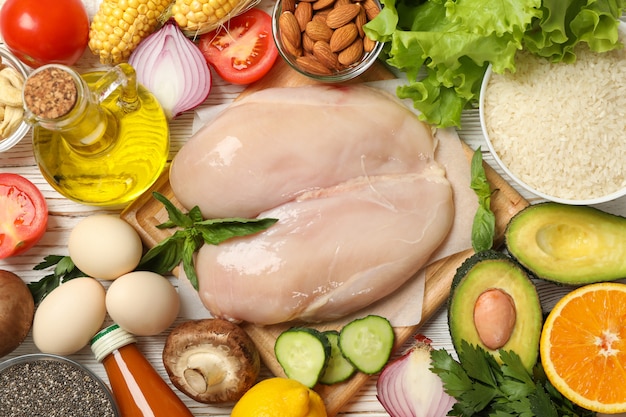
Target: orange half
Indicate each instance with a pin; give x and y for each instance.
(583, 347)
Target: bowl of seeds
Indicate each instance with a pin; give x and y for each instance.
(50, 385)
(324, 39)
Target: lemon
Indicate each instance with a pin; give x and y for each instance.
(279, 397)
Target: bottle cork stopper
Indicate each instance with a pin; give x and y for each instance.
(50, 93)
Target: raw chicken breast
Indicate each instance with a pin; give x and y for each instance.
(275, 144)
(349, 173)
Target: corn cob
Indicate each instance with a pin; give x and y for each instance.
(196, 17)
(120, 25)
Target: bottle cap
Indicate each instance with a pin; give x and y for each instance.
(109, 339)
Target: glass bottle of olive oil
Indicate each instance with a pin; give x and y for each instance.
(99, 138)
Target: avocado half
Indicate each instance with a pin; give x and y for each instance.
(567, 244)
(492, 272)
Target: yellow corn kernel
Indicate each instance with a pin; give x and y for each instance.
(120, 25)
(201, 16)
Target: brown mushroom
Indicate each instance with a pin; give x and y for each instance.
(17, 309)
(211, 360)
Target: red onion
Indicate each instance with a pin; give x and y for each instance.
(408, 388)
(172, 68)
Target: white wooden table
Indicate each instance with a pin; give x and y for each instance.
(65, 214)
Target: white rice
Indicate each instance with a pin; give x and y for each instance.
(561, 128)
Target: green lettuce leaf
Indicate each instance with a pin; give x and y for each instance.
(445, 46)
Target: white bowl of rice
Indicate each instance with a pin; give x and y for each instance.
(559, 130)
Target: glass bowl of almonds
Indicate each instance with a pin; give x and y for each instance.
(12, 125)
(324, 39)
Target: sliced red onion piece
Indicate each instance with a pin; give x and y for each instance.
(172, 68)
(408, 388)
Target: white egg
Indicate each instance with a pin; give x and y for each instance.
(69, 316)
(105, 246)
(142, 303)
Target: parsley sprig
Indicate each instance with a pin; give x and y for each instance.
(485, 388)
(64, 270)
(484, 225)
(193, 232)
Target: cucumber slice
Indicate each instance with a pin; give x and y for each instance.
(338, 369)
(303, 353)
(367, 343)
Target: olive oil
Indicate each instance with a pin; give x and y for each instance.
(110, 157)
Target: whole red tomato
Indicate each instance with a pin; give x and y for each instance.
(41, 32)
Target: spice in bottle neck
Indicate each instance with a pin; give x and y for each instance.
(137, 387)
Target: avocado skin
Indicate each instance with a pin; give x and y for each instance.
(487, 270)
(568, 245)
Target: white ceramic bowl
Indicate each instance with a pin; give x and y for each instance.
(515, 177)
(23, 128)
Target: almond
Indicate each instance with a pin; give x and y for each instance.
(371, 9)
(288, 6)
(368, 44)
(360, 20)
(321, 15)
(318, 31)
(321, 51)
(343, 37)
(352, 53)
(342, 15)
(322, 4)
(289, 29)
(307, 43)
(291, 48)
(304, 14)
(310, 64)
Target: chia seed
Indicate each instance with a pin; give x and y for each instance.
(52, 388)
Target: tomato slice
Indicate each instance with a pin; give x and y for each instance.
(23, 214)
(243, 50)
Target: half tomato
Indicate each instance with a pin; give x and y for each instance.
(243, 50)
(23, 214)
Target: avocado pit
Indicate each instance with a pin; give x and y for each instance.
(494, 317)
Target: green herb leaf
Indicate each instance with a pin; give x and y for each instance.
(445, 47)
(193, 233)
(541, 404)
(484, 225)
(176, 217)
(483, 386)
(64, 270)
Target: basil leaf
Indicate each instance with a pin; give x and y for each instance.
(176, 216)
(191, 246)
(165, 256)
(484, 225)
(215, 232)
(193, 232)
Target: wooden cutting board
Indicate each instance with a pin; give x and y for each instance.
(146, 213)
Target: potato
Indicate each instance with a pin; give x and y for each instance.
(17, 309)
